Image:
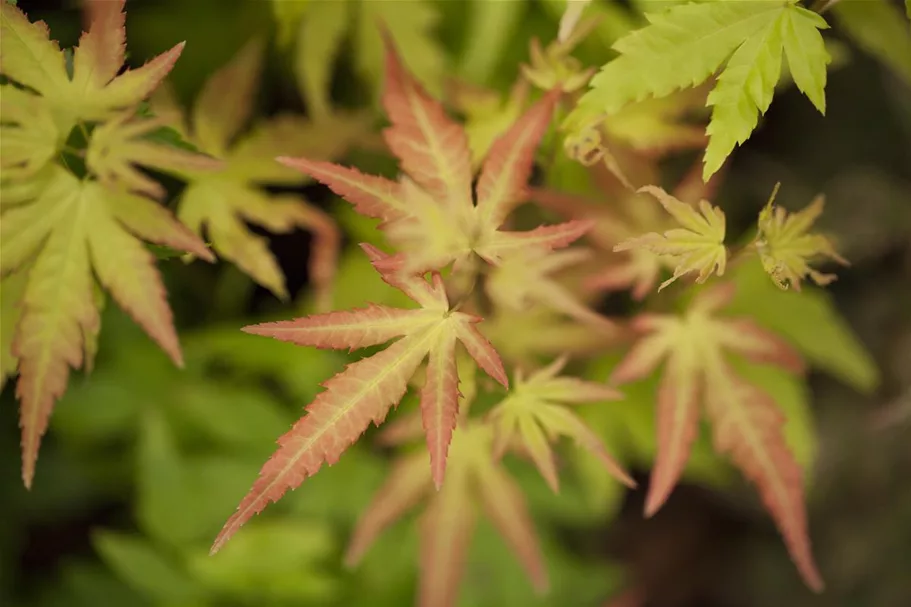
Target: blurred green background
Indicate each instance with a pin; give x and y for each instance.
(143, 463)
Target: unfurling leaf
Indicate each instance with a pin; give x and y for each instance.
(696, 247)
(367, 389)
(747, 422)
(72, 229)
(534, 413)
(786, 248)
(475, 481)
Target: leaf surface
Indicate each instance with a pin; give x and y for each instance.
(70, 230)
(368, 388)
(747, 423)
(220, 203)
(698, 246)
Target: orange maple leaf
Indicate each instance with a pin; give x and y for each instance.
(430, 215)
(367, 389)
(474, 480)
(747, 422)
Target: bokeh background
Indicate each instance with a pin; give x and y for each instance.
(143, 463)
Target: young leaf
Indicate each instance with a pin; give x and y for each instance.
(429, 214)
(220, 203)
(697, 247)
(534, 413)
(366, 389)
(747, 423)
(72, 229)
(96, 89)
(686, 44)
(786, 248)
(475, 481)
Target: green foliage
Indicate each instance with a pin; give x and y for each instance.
(685, 45)
(494, 234)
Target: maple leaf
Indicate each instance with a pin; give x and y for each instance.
(96, 89)
(474, 480)
(366, 389)
(121, 142)
(625, 216)
(430, 215)
(533, 415)
(220, 203)
(685, 45)
(696, 247)
(67, 231)
(786, 248)
(746, 421)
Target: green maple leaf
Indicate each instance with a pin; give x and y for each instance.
(534, 414)
(95, 90)
(686, 44)
(71, 230)
(747, 423)
(220, 203)
(59, 232)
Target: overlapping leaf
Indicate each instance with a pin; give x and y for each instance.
(430, 215)
(69, 231)
(60, 233)
(623, 216)
(534, 414)
(747, 423)
(696, 247)
(474, 481)
(684, 45)
(367, 389)
(220, 203)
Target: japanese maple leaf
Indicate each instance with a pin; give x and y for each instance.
(430, 215)
(621, 217)
(96, 88)
(786, 249)
(221, 203)
(366, 389)
(122, 142)
(68, 230)
(534, 414)
(474, 481)
(747, 423)
(697, 246)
